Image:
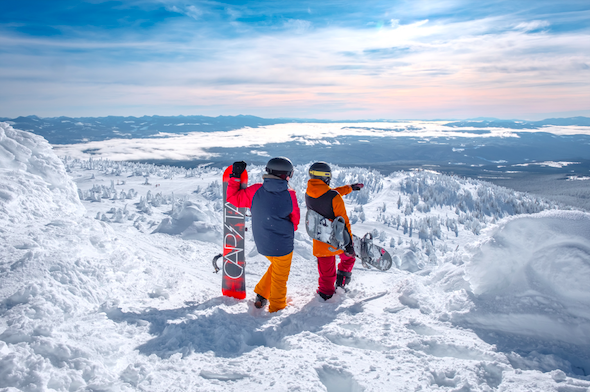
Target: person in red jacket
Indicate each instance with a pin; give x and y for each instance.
(328, 202)
(275, 217)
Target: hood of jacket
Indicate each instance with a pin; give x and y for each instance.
(317, 187)
(274, 184)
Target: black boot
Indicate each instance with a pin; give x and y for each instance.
(343, 278)
(324, 296)
(260, 301)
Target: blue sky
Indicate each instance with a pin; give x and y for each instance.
(310, 59)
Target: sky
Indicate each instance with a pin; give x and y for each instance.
(375, 59)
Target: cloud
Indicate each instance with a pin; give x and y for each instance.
(189, 10)
(194, 12)
(297, 25)
(533, 25)
(197, 145)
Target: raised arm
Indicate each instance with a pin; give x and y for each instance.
(346, 189)
(240, 197)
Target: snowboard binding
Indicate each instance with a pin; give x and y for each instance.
(371, 255)
(322, 229)
(367, 250)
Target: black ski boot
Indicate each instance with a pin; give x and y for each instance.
(260, 301)
(343, 279)
(324, 296)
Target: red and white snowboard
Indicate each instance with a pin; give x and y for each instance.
(233, 282)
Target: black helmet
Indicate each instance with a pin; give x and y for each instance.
(280, 167)
(322, 171)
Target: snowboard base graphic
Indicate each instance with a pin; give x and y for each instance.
(233, 282)
(335, 234)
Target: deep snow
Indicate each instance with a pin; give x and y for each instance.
(116, 292)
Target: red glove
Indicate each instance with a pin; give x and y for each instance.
(357, 187)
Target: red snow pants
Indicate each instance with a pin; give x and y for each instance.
(327, 270)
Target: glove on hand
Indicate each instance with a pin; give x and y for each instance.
(349, 250)
(357, 187)
(238, 169)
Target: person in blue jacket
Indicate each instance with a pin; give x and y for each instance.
(275, 217)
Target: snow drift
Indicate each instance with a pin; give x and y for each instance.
(33, 181)
(530, 285)
(548, 253)
(191, 223)
(58, 269)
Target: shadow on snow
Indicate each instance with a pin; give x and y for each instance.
(211, 326)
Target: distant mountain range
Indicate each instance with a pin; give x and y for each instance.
(71, 130)
(518, 124)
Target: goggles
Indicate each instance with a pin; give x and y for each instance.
(320, 173)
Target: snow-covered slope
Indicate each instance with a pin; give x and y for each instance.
(117, 292)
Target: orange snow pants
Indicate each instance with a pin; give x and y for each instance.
(273, 285)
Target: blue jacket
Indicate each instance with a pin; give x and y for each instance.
(275, 213)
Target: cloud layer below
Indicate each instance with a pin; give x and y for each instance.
(197, 145)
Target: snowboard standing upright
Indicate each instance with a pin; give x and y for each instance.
(233, 282)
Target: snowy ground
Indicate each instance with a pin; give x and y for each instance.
(106, 284)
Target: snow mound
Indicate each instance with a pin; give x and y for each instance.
(33, 180)
(529, 282)
(548, 252)
(191, 222)
(60, 269)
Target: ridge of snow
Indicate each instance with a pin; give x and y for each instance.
(33, 181)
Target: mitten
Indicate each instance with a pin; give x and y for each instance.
(238, 169)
